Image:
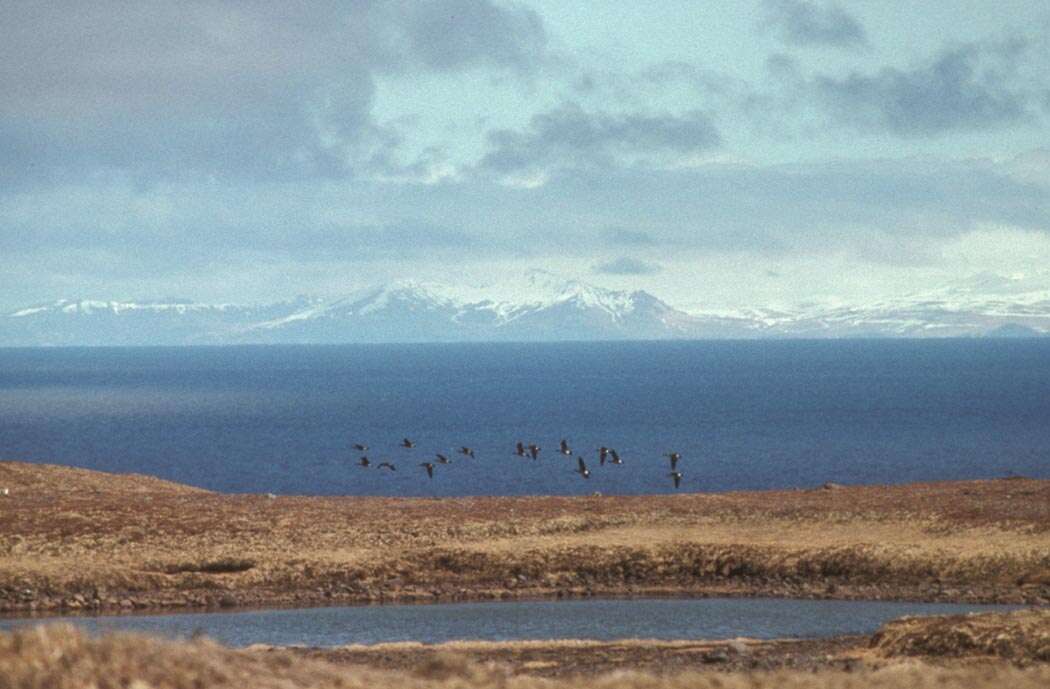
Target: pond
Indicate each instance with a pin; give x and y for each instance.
(602, 619)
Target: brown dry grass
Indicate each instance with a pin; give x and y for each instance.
(73, 539)
(1022, 635)
(60, 657)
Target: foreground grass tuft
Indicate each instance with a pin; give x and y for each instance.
(61, 657)
(1019, 636)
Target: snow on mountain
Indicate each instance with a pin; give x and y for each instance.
(534, 306)
(546, 309)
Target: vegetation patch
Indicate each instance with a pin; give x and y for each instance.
(1022, 636)
(225, 565)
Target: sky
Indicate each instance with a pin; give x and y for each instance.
(721, 154)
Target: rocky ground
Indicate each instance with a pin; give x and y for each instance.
(76, 540)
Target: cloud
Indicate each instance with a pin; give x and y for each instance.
(625, 265)
(882, 212)
(181, 240)
(628, 237)
(262, 90)
(804, 23)
(449, 34)
(964, 88)
(569, 135)
(582, 212)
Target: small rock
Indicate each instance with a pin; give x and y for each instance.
(831, 486)
(739, 647)
(127, 603)
(715, 656)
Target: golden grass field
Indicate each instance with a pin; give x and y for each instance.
(990, 652)
(74, 539)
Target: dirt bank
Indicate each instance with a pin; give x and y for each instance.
(1019, 638)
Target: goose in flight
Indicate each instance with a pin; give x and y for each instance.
(442, 459)
(677, 476)
(429, 466)
(582, 469)
(603, 454)
(466, 451)
(364, 462)
(407, 444)
(387, 465)
(519, 449)
(360, 447)
(565, 449)
(615, 456)
(534, 450)
(674, 457)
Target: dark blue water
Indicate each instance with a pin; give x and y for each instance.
(713, 618)
(744, 415)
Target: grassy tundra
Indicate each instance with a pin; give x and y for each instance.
(74, 539)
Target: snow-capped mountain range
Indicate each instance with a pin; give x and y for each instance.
(538, 306)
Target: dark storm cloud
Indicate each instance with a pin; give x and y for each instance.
(625, 265)
(804, 23)
(259, 90)
(964, 88)
(569, 135)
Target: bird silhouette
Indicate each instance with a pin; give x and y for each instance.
(466, 451)
(674, 457)
(603, 453)
(364, 462)
(582, 469)
(387, 465)
(519, 449)
(429, 466)
(677, 476)
(615, 456)
(360, 448)
(442, 459)
(407, 444)
(565, 449)
(534, 450)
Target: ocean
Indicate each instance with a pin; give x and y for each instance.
(743, 415)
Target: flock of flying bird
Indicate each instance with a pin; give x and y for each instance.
(532, 450)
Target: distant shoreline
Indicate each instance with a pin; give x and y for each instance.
(75, 540)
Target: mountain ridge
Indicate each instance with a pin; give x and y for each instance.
(539, 306)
